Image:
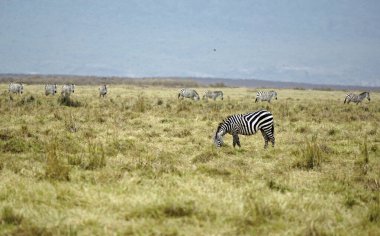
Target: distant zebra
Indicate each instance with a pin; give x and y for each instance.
(67, 90)
(265, 96)
(213, 94)
(50, 89)
(103, 90)
(188, 93)
(356, 98)
(15, 88)
(246, 124)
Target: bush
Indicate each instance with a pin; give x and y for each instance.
(55, 169)
(374, 213)
(311, 156)
(67, 101)
(8, 216)
(141, 105)
(205, 156)
(95, 157)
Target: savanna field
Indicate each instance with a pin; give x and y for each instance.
(142, 162)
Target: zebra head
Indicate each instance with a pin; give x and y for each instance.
(369, 99)
(274, 94)
(21, 88)
(72, 87)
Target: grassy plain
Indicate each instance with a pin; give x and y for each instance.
(142, 162)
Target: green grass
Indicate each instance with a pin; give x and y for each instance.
(142, 162)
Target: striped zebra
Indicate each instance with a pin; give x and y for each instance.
(67, 90)
(351, 97)
(50, 89)
(213, 94)
(246, 124)
(16, 88)
(265, 96)
(103, 90)
(188, 93)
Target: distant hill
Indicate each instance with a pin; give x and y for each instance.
(173, 82)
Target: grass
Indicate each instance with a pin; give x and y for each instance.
(142, 162)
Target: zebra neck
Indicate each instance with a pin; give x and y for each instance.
(223, 130)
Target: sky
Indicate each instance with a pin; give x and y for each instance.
(324, 41)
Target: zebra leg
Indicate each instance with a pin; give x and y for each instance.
(265, 138)
(256, 100)
(272, 140)
(236, 140)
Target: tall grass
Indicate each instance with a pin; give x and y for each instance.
(142, 162)
(311, 155)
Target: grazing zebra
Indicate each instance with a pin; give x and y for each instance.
(246, 124)
(356, 98)
(213, 94)
(67, 90)
(50, 89)
(15, 88)
(265, 96)
(103, 90)
(188, 93)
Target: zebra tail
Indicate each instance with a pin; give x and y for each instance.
(272, 129)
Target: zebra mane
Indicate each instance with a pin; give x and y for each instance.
(363, 93)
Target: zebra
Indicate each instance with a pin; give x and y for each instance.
(351, 97)
(16, 88)
(50, 89)
(265, 96)
(103, 90)
(188, 93)
(246, 124)
(213, 94)
(67, 90)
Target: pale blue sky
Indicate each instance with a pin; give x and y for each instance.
(300, 40)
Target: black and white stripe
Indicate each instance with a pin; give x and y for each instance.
(16, 88)
(50, 89)
(188, 93)
(213, 94)
(67, 90)
(103, 90)
(246, 124)
(265, 96)
(351, 97)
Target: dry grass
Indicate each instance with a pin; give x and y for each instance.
(140, 161)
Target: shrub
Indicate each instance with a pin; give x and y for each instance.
(205, 156)
(8, 216)
(141, 105)
(55, 169)
(95, 157)
(67, 101)
(28, 100)
(276, 186)
(363, 163)
(374, 213)
(160, 210)
(15, 145)
(311, 156)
